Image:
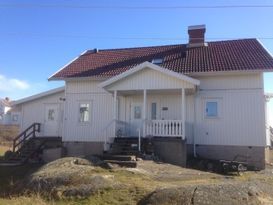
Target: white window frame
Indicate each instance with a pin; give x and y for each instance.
(89, 112)
(219, 107)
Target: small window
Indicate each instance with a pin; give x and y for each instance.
(157, 61)
(153, 111)
(14, 118)
(84, 112)
(211, 109)
(137, 112)
(51, 115)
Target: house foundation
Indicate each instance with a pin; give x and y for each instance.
(171, 150)
(83, 148)
(254, 156)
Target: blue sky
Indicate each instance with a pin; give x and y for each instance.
(36, 40)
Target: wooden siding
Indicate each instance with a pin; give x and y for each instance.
(34, 111)
(242, 120)
(149, 79)
(242, 113)
(101, 112)
(247, 81)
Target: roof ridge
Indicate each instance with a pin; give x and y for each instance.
(90, 51)
(141, 47)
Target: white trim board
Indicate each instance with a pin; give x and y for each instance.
(37, 96)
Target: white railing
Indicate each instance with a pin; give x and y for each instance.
(164, 128)
(121, 128)
(271, 133)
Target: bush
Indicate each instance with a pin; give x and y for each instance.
(8, 154)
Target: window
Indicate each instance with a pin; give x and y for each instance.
(84, 112)
(137, 112)
(51, 115)
(212, 109)
(153, 111)
(14, 118)
(157, 61)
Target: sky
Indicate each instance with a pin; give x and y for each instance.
(37, 38)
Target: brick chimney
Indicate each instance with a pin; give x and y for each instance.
(196, 36)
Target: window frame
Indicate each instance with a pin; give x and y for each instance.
(218, 102)
(89, 112)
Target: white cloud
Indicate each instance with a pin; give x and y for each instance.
(12, 84)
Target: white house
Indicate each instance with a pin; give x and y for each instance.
(206, 96)
(8, 116)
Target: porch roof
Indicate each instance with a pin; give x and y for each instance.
(157, 78)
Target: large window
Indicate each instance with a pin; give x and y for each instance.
(84, 112)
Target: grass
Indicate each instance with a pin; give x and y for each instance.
(10, 175)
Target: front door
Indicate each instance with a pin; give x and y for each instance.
(51, 121)
(136, 119)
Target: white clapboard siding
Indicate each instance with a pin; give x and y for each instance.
(34, 111)
(242, 115)
(149, 79)
(100, 126)
(241, 121)
(240, 81)
(83, 86)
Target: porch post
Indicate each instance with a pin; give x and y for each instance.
(144, 111)
(183, 112)
(115, 113)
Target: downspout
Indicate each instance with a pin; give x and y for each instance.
(194, 124)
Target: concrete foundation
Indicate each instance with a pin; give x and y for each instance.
(52, 154)
(254, 156)
(171, 150)
(83, 148)
(269, 155)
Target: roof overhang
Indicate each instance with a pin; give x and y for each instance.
(151, 66)
(37, 96)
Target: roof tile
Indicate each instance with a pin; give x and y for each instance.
(244, 54)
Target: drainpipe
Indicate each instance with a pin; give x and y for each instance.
(194, 124)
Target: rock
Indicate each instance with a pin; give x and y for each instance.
(221, 194)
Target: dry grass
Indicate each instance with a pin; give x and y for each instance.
(3, 149)
(124, 186)
(7, 134)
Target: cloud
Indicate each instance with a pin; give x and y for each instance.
(12, 84)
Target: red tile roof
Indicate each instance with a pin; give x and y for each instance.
(232, 55)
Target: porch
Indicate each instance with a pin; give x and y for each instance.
(150, 101)
(150, 114)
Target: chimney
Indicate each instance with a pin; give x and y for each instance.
(197, 36)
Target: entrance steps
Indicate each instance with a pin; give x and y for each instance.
(31, 150)
(124, 146)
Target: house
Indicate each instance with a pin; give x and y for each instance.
(201, 99)
(8, 116)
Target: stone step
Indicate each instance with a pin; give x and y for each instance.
(130, 164)
(119, 157)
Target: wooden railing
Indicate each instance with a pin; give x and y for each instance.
(25, 135)
(164, 128)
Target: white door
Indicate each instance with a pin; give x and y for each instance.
(136, 119)
(51, 122)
